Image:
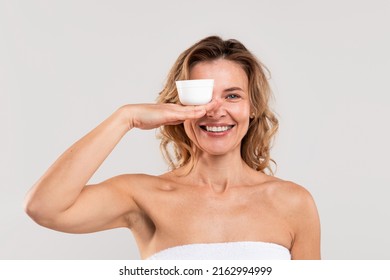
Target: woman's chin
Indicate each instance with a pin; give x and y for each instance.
(215, 151)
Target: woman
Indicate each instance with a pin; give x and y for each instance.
(217, 201)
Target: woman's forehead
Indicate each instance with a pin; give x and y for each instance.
(226, 73)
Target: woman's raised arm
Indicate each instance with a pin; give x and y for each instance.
(61, 200)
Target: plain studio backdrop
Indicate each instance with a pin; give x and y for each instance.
(67, 65)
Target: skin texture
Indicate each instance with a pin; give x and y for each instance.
(220, 200)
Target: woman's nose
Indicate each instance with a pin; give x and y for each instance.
(215, 108)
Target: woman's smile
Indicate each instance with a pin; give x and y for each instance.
(216, 130)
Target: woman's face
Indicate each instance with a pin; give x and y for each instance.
(221, 130)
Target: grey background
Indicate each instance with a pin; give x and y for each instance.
(66, 65)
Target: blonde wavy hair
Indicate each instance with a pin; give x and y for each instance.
(178, 150)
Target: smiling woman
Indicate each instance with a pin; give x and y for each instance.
(217, 201)
(243, 79)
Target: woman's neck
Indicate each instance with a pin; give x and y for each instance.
(218, 173)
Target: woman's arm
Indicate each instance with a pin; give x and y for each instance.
(62, 201)
(306, 225)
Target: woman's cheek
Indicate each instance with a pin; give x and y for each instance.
(189, 129)
(239, 111)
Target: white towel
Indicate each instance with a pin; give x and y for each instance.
(242, 250)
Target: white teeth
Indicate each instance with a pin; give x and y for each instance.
(217, 128)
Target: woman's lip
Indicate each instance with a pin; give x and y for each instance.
(216, 124)
(216, 133)
(230, 126)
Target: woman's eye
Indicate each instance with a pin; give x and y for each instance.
(232, 96)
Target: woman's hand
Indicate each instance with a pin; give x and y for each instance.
(149, 116)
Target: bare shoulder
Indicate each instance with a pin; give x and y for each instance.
(296, 204)
(134, 182)
(132, 179)
(141, 186)
(289, 195)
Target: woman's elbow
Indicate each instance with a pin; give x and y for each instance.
(35, 210)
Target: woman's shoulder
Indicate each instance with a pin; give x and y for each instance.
(131, 177)
(137, 181)
(288, 194)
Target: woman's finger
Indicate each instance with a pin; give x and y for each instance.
(188, 112)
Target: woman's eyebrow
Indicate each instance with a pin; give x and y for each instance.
(234, 89)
